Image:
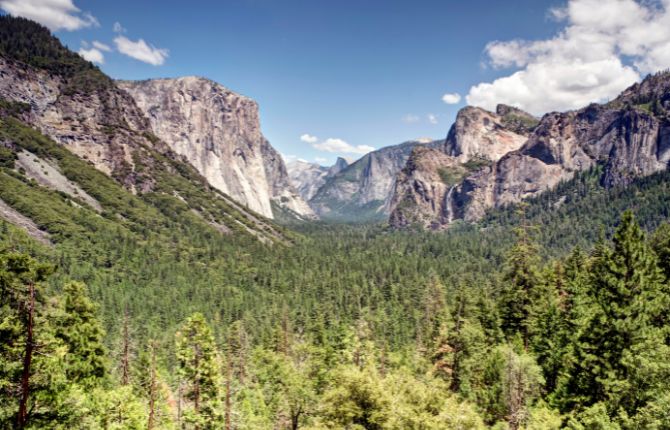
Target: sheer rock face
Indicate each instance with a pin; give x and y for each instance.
(363, 189)
(103, 126)
(629, 137)
(483, 134)
(218, 132)
(428, 191)
(306, 177)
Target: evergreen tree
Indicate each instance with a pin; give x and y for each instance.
(519, 287)
(621, 355)
(81, 331)
(31, 381)
(199, 372)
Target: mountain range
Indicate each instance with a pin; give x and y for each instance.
(155, 136)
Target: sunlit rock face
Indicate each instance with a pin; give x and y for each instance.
(218, 132)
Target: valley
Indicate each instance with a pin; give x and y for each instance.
(162, 265)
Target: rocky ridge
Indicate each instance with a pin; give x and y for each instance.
(629, 137)
(362, 190)
(218, 132)
(72, 102)
(308, 177)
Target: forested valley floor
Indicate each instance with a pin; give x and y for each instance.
(552, 314)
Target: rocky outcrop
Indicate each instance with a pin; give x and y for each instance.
(628, 137)
(427, 190)
(478, 133)
(308, 177)
(102, 125)
(218, 131)
(419, 193)
(54, 90)
(362, 191)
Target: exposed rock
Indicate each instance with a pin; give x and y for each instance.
(75, 104)
(362, 191)
(218, 131)
(308, 177)
(15, 217)
(482, 134)
(629, 137)
(340, 164)
(419, 192)
(48, 175)
(103, 126)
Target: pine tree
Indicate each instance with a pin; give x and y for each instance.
(621, 354)
(82, 333)
(32, 383)
(519, 288)
(199, 372)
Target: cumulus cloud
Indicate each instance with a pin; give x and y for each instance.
(451, 98)
(141, 51)
(320, 160)
(410, 118)
(92, 54)
(54, 14)
(605, 46)
(340, 146)
(432, 118)
(309, 138)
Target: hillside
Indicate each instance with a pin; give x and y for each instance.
(81, 109)
(144, 287)
(628, 137)
(361, 191)
(218, 132)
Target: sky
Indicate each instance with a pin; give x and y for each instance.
(342, 78)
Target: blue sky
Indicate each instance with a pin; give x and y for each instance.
(368, 73)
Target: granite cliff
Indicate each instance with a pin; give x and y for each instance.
(218, 132)
(628, 137)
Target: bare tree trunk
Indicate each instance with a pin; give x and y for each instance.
(295, 419)
(196, 386)
(22, 416)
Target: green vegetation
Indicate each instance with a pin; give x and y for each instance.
(520, 348)
(451, 176)
(551, 314)
(30, 43)
(350, 326)
(520, 123)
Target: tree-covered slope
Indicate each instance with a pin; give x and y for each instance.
(84, 113)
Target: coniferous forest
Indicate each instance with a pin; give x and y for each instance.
(530, 320)
(146, 299)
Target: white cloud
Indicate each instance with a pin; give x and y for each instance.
(288, 158)
(340, 146)
(118, 28)
(141, 51)
(605, 46)
(451, 98)
(410, 119)
(309, 138)
(101, 46)
(93, 55)
(320, 160)
(432, 118)
(54, 14)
